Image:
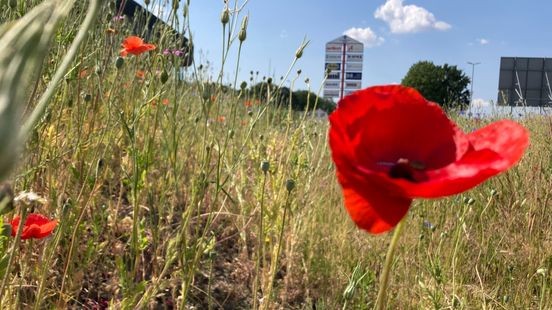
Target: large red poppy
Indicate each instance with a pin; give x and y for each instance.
(36, 226)
(390, 145)
(135, 46)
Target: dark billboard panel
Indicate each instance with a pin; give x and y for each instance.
(525, 81)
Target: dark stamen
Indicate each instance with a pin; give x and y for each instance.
(405, 169)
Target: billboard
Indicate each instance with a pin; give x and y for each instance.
(343, 61)
(525, 81)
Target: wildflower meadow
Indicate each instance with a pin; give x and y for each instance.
(134, 176)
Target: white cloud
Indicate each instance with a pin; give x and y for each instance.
(483, 41)
(480, 103)
(365, 35)
(408, 18)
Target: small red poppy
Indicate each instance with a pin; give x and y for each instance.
(36, 226)
(390, 145)
(140, 74)
(135, 46)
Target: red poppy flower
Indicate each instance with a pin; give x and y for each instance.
(140, 74)
(390, 145)
(135, 46)
(36, 226)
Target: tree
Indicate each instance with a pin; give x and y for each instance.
(300, 99)
(446, 85)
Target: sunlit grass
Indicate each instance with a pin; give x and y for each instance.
(159, 187)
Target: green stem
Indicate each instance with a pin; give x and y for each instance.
(384, 280)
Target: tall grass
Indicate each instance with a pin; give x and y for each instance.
(188, 193)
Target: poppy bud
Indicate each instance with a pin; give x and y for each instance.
(175, 4)
(250, 113)
(164, 77)
(147, 2)
(225, 17)
(269, 80)
(299, 52)
(87, 97)
(290, 185)
(243, 85)
(231, 133)
(12, 4)
(265, 166)
(112, 6)
(242, 35)
(299, 72)
(119, 62)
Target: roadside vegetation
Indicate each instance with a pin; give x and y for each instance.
(174, 189)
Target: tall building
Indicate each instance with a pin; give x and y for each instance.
(343, 66)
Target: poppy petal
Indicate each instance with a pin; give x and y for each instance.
(371, 208)
(494, 149)
(46, 229)
(385, 123)
(36, 226)
(132, 41)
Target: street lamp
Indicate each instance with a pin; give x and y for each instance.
(473, 64)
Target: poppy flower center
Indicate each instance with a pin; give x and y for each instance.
(406, 169)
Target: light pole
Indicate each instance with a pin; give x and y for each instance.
(473, 64)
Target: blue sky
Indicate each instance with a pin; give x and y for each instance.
(396, 33)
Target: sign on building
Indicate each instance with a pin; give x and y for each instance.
(343, 63)
(525, 81)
